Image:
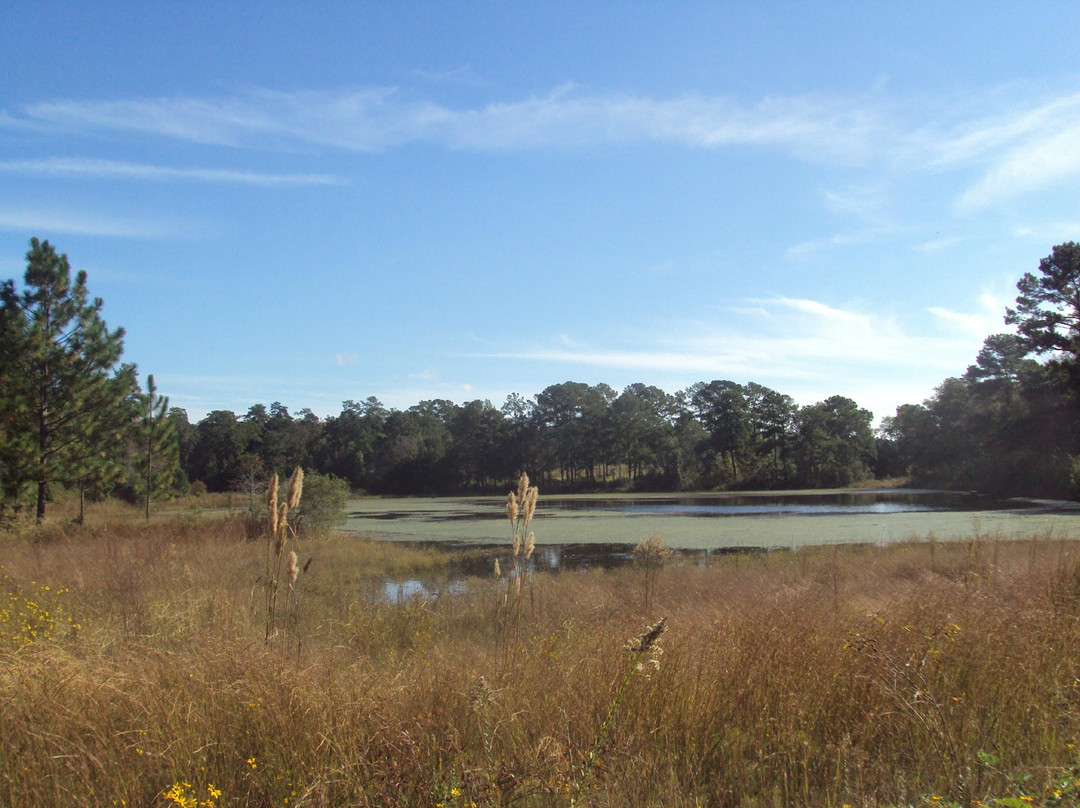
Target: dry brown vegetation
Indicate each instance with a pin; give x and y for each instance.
(134, 671)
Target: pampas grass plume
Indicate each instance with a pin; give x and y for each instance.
(523, 487)
(296, 486)
(292, 569)
(512, 507)
(272, 505)
(283, 514)
(530, 503)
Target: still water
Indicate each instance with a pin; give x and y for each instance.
(802, 504)
(588, 532)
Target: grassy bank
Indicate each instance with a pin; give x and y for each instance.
(134, 672)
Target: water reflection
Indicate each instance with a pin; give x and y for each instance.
(478, 562)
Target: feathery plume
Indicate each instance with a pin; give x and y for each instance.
(512, 507)
(530, 544)
(292, 568)
(271, 492)
(498, 570)
(523, 487)
(271, 504)
(282, 524)
(517, 543)
(530, 503)
(296, 486)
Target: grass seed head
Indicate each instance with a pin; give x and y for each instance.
(272, 504)
(523, 487)
(651, 552)
(646, 641)
(271, 492)
(480, 694)
(512, 507)
(530, 544)
(282, 524)
(530, 503)
(292, 569)
(296, 487)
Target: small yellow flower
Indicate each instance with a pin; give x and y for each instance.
(251, 762)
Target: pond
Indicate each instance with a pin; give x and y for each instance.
(718, 521)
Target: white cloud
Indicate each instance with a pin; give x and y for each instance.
(1018, 145)
(44, 223)
(975, 323)
(851, 238)
(113, 169)
(1035, 164)
(938, 244)
(374, 119)
(806, 348)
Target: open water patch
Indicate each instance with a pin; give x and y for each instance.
(476, 562)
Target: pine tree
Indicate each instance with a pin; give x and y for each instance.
(159, 452)
(96, 462)
(57, 363)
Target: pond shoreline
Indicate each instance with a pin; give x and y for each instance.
(473, 521)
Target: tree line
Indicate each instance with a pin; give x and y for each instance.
(73, 415)
(570, 436)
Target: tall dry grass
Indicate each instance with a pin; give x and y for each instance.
(859, 676)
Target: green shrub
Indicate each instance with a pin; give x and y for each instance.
(322, 507)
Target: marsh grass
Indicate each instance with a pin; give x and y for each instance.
(863, 675)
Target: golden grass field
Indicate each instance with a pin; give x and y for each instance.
(135, 670)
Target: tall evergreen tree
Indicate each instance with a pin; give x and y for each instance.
(159, 454)
(96, 462)
(58, 359)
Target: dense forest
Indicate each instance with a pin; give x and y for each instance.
(73, 415)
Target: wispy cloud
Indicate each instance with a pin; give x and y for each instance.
(849, 238)
(113, 169)
(44, 223)
(806, 344)
(1024, 146)
(1016, 144)
(1034, 164)
(373, 119)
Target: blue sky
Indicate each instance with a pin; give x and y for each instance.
(461, 201)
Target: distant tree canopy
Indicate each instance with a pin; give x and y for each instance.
(570, 436)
